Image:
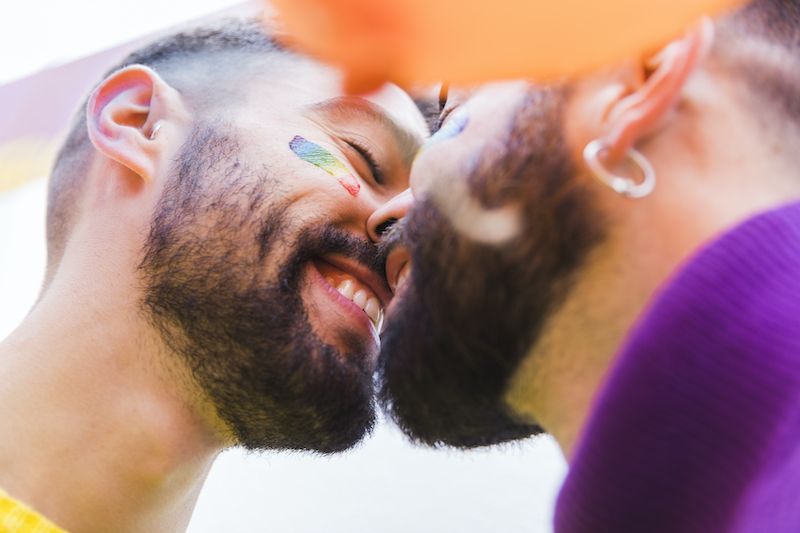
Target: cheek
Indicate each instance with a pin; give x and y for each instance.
(442, 175)
(443, 162)
(317, 202)
(321, 158)
(303, 182)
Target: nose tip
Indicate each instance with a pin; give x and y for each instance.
(386, 215)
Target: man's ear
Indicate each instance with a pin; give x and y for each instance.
(125, 111)
(636, 113)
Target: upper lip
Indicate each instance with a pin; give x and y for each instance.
(395, 262)
(364, 275)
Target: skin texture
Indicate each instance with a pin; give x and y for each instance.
(184, 315)
(489, 342)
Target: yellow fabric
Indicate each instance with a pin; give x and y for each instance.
(25, 159)
(16, 517)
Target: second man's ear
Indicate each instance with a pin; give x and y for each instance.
(636, 114)
(122, 113)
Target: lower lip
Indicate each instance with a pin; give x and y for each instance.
(349, 310)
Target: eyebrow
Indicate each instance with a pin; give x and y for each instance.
(353, 107)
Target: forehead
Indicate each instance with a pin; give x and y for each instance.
(290, 84)
(502, 97)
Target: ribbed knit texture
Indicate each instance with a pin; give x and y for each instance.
(697, 427)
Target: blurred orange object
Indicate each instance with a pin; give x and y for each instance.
(471, 41)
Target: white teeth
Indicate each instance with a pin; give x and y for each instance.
(379, 323)
(360, 298)
(347, 288)
(373, 310)
(403, 276)
(363, 299)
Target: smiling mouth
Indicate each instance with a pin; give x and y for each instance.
(353, 288)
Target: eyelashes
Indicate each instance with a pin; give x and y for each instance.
(444, 94)
(450, 128)
(370, 160)
(443, 117)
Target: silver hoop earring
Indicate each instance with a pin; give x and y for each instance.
(623, 186)
(155, 131)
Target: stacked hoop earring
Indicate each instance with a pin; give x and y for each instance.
(154, 132)
(621, 185)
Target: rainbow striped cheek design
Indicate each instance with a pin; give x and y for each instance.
(318, 156)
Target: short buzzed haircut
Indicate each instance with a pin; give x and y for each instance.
(191, 61)
(759, 44)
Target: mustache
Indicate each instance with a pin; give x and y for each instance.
(328, 239)
(396, 235)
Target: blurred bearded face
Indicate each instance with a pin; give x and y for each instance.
(484, 258)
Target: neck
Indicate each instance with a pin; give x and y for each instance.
(96, 433)
(557, 381)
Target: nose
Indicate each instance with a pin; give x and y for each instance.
(386, 215)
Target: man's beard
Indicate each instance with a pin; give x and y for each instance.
(470, 312)
(213, 292)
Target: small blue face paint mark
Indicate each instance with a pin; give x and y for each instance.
(455, 124)
(452, 127)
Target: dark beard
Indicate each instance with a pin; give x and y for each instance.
(242, 330)
(471, 312)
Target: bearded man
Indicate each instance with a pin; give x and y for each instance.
(212, 280)
(616, 260)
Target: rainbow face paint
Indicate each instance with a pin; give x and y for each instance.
(320, 157)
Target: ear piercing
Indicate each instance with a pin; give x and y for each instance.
(154, 132)
(621, 185)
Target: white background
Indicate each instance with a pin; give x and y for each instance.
(385, 485)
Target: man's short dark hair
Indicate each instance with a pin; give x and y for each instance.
(191, 61)
(761, 44)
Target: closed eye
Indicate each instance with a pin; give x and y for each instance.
(369, 159)
(446, 113)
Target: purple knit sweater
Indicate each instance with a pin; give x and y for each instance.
(697, 428)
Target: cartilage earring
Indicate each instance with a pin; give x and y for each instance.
(154, 132)
(620, 184)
